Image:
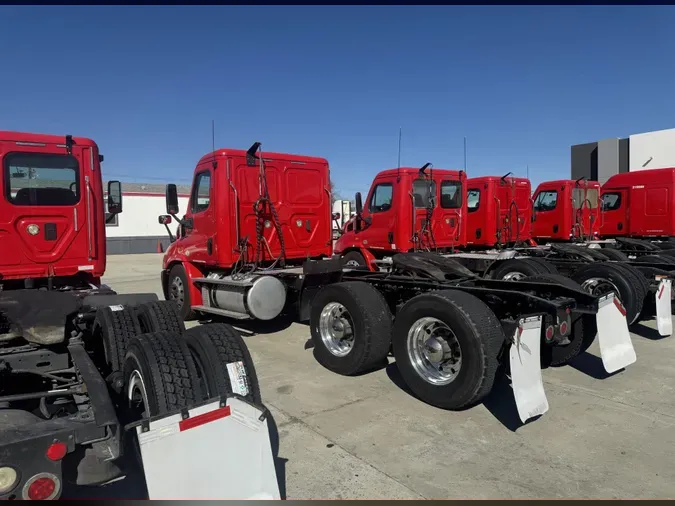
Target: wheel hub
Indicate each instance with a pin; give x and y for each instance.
(434, 351)
(177, 292)
(514, 276)
(336, 329)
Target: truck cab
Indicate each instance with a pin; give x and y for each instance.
(498, 211)
(52, 210)
(407, 209)
(247, 210)
(639, 204)
(565, 210)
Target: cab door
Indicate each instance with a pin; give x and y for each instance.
(548, 215)
(614, 220)
(378, 230)
(447, 221)
(199, 241)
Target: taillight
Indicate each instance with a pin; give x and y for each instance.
(43, 486)
(564, 328)
(549, 332)
(57, 451)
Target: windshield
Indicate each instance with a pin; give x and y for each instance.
(38, 179)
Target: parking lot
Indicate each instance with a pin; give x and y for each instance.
(367, 437)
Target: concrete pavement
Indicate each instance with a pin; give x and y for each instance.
(367, 437)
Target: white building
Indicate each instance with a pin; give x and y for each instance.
(136, 229)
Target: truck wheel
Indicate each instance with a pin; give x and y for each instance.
(656, 259)
(354, 260)
(552, 269)
(517, 269)
(584, 328)
(160, 316)
(601, 278)
(615, 254)
(159, 375)
(350, 324)
(446, 345)
(667, 252)
(178, 289)
(223, 361)
(115, 326)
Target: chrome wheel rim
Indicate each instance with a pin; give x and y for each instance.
(177, 291)
(599, 286)
(434, 351)
(137, 395)
(514, 276)
(337, 329)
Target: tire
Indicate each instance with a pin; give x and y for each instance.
(355, 259)
(520, 268)
(656, 259)
(115, 326)
(213, 347)
(630, 287)
(160, 316)
(584, 329)
(164, 363)
(480, 337)
(670, 253)
(368, 316)
(636, 277)
(178, 279)
(614, 254)
(552, 269)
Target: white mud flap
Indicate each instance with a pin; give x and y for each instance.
(217, 452)
(664, 318)
(528, 385)
(616, 347)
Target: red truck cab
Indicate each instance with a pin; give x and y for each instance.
(498, 211)
(52, 216)
(565, 210)
(248, 209)
(407, 208)
(639, 204)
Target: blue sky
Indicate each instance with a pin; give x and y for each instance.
(521, 83)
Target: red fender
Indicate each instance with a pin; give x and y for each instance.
(193, 272)
(369, 258)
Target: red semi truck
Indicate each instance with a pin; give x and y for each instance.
(485, 226)
(88, 376)
(256, 241)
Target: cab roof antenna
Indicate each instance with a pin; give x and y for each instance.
(398, 171)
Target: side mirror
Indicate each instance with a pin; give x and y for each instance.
(114, 197)
(164, 219)
(336, 216)
(171, 199)
(359, 203)
(368, 220)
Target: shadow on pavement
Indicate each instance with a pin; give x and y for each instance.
(591, 366)
(647, 332)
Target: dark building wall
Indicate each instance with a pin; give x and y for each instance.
(584, 161)
(608, 159)
(624, 155)
(134, 245)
